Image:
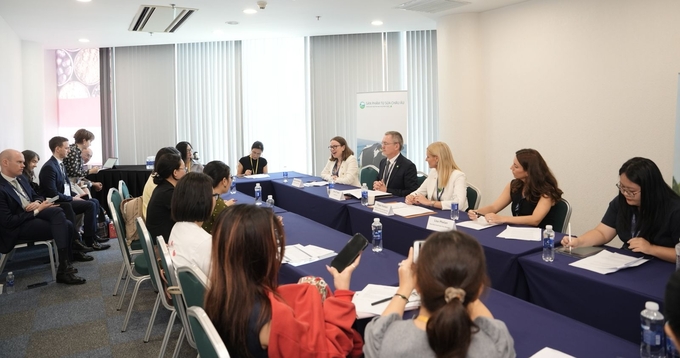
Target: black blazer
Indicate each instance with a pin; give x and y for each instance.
(52, 181)
(404, 178)
(12, 213)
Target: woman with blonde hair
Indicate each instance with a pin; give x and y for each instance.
(445, 184)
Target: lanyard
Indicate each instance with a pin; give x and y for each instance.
(633, 233)
(257, 164)
(439, 192)
(21, 192)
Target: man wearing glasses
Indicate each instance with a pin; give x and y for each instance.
(398, 175)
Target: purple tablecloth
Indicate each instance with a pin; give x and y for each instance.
(501, 254)
(247, 185)
(246, 199)
(610, 302)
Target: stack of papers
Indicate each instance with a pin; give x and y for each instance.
(316, 183)
(297, 254)
(372, 293)
(607, 262)
(550, 353)
(257, 176)
(402, 209)
(478, 224)
(357, 193)
(521, 233)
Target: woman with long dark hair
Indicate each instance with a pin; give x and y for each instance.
(645, 214)
(533, 193)
(220, 173)
(449, 276)
(253, 314)
(31, 160)
(187, 152)
(169, 170)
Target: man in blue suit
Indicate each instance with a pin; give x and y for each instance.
(24, 217)
(398, 175)
(54, 182)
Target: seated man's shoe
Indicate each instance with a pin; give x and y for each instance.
(100, 239)
(81, 257)
(99, 247)
(80, 247)
(69, 279)
(70, 269)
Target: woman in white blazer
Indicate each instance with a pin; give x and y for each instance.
(342, 166)
(445, 184)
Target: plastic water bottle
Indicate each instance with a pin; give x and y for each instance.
(331, 184)
(376, 229)
(232, 188)
(364, 198)
(454, 211)
(548, 244)
(285, 174)
(652, 344)
(270, 201)
(677, 256)
(258, 194)
(9, 284)
(150, 162)
(671, 351)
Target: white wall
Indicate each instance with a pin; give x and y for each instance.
(11, 135)
(589, 84)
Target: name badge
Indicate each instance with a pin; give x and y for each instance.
(382, 208)
(67, 189)
(439, 224)
(336, 194)
(297, 182)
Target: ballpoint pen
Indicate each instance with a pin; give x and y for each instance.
(569, 233)
(478, 214)
(381, 301)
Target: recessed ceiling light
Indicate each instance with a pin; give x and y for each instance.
(232, 22)
(376, 23)
(218, 32)
(249, 11)
(84, 40)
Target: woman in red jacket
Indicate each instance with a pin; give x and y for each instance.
(253, 314)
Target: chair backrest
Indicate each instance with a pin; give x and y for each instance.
(208, 341)
(193, 283)
(368, 175)
(150, 255)
(114, 199)
(474, 197)
(123, 189)
(171, 277)
(421, 178)
(562, 210)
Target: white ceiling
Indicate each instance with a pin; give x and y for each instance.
(60, 23)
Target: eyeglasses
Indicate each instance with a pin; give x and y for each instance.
(334, 146)
(216, 196)
(385, 143)
(626, 191)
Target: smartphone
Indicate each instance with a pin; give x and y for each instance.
(85, 197)
(350, 252)
(52, 199)
(416, 249)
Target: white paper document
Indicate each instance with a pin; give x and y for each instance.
(257, 176)
(521, 233)
(550, 353)
(605, 262)
(402, 209)
(316, 183)
(373, 293)
(478, 224)
(297, 254)
(357, 193)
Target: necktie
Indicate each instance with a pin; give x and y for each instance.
(388, 171)
(63, 171)
(20, 191)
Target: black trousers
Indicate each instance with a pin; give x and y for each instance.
(89, 209)
(50, 223)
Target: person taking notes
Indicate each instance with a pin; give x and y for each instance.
(645, 214)
(253, 163)
(342, 166)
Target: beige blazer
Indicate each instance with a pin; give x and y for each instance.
(348, 173)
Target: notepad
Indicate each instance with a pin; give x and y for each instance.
(405, 210)
(372, 293)
(316, 183)
(606, 262)
(357, 193)
(297, 254)
(479, 224)
(257, 176)
(521, 233)
(548, 352)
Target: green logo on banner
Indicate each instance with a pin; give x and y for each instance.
(362, 105)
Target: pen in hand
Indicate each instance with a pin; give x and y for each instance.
(381, 301)
(478, 213)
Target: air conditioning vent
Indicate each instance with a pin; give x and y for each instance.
(431, 6)
(150, 18)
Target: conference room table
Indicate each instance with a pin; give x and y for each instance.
(532, 327)
(313, 203)
(502, 255)
(135, 176)
(247, 185)
(611, 303)
(242, 198)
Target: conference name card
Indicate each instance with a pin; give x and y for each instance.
(336, 194)
(439, 224)
(297, 182)
(382, 208)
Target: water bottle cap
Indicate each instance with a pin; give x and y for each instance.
(548, 227)
(269, 197)
(652, 306)
(10, 273)
(376, 220)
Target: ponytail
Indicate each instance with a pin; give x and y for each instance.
(449, 329)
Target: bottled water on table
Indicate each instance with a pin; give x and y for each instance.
(454, 211)
(376, 229)
(331, 185)
(364, 194)
(258, 194)
(232, 188)
(652, 344)
(285, 174)
(9, 284)
(548, 244)
(270, 201)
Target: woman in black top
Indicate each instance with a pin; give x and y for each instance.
(532, 194)
(31, 160)
(253, 163)
(169, 170)
(645, 215)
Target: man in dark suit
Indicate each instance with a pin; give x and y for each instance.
(24, 217)
(53, 182)
(398, 175)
